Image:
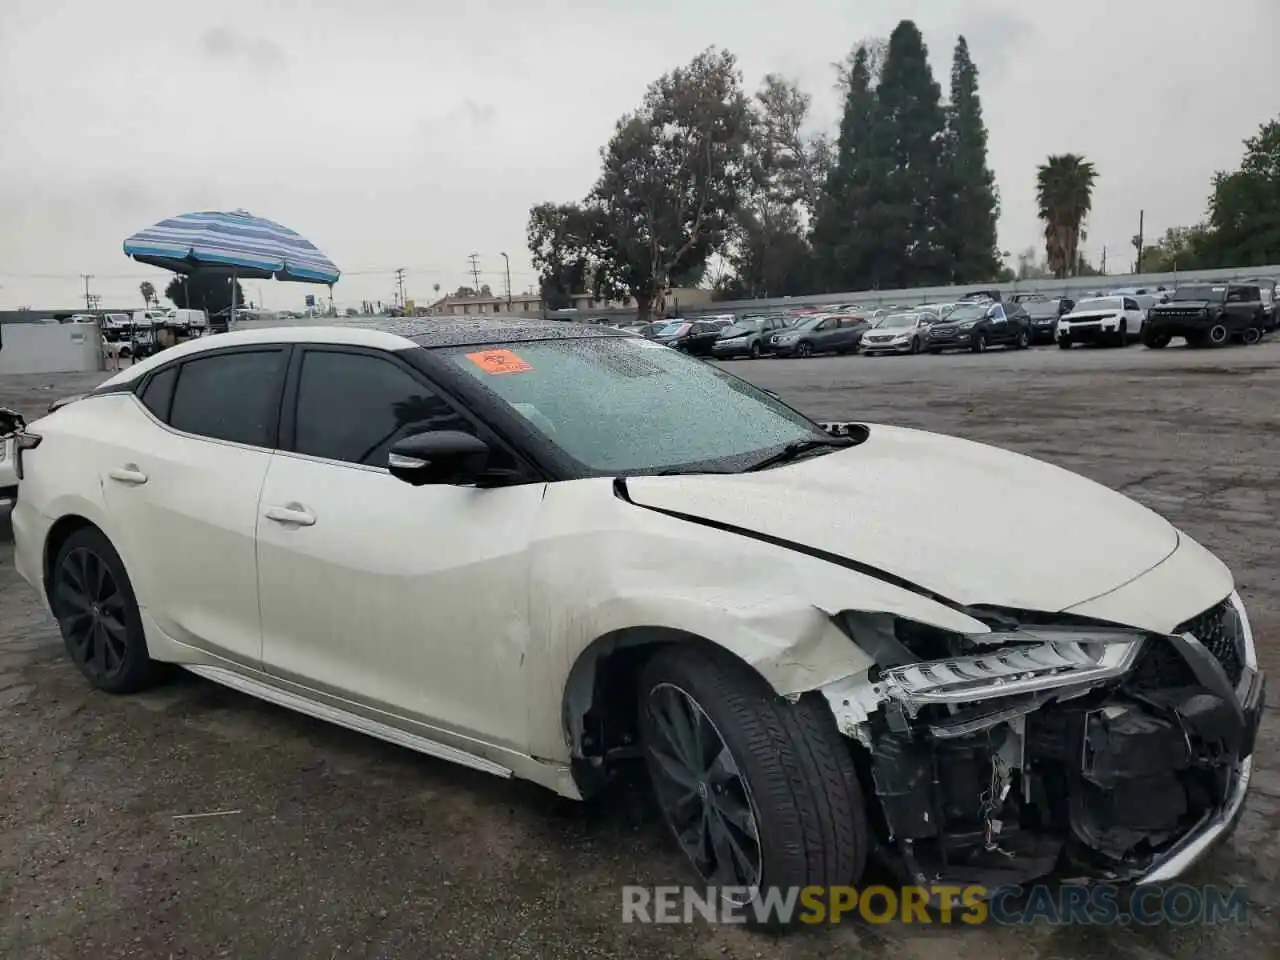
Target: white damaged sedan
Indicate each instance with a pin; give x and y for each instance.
(549, 551)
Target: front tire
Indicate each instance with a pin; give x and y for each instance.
(979, 342)
(1156, 341)
(1251, 336)
(1219, 335)
(97, 612)
(804, 350)
(759, 792)
(1122, 338)
(1024, 340)
(755, 350)
(1064, 344)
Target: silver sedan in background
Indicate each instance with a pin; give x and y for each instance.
(898, 333)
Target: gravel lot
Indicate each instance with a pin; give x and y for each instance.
(340, 846)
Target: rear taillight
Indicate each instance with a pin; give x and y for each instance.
(23, 442)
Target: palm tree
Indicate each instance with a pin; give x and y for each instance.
(1064, 192)
(148, 292)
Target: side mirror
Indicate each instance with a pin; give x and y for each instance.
(11, 422)
(438, 456)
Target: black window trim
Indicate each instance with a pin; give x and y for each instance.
(287, 421)
(138, 387)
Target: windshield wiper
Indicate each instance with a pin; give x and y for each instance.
(797, 449)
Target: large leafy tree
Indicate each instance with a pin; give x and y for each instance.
(970, 204)
(907, 133)
(208, 290)
(842, 236)
(793, 159)
(1244, 209)
(562, 238)
(1064, 193)
(675, 173)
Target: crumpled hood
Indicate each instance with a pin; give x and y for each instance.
(973, 523)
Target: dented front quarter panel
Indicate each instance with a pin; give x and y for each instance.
(601, 565)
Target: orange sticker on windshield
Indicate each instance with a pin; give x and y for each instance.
(494, 362)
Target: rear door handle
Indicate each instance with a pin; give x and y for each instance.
(294, 514)
(129, 474)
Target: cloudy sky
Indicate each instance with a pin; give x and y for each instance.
(401, 134)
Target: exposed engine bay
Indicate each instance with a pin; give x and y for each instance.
(1083, 750)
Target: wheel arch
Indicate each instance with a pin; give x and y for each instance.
(59, 533)
(599, 708)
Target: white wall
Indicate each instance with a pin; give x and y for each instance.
(50, 348)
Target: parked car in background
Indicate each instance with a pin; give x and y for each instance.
(1208, 315)
(1267, 288)
(748, 337)
(898, 333)
(978, 325)
(819, 334)
(1114, 321)
(695, 337)
(11, 424)
(1043, 314)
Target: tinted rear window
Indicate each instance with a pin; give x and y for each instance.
(158, 393)
(232, 396)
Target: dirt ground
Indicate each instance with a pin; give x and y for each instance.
(328, 844)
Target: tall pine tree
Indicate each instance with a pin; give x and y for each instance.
(907, 140)
(970, 202)
(842, 237)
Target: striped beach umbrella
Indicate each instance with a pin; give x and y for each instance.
(237, 242)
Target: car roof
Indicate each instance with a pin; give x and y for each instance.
(391, 334)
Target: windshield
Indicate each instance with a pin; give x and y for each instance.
(748, 325)
(1200, 292)
(673, 329)
(899, 320)
(808, 323)
(626, 405)
(967, 311)
(1101, 303)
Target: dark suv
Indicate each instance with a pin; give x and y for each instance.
(976, 326)
(1208, 314)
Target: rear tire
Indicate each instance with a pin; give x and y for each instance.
(1064, 344)
(97, 613)
(777, 777)
(1251, 336)
(1156, 341)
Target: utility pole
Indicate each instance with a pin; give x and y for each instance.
(508, 261)
(88, 301)
(475, 271)
(400, 284)
(1104, 261)
(1137, 242)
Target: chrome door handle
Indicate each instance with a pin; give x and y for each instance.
(294, 514)
(129, 474)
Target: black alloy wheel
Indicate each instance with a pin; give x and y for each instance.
(755, 350)
(701, 791)
(1218, 335)
(98, 616)
(1024, 340)
(979, 342)
(1251, 336)
(804, 349)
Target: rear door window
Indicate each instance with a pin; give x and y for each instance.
(230, 396)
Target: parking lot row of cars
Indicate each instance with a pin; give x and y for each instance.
(1204, 314)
